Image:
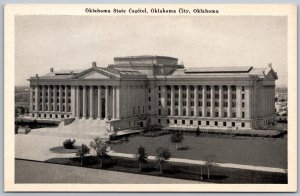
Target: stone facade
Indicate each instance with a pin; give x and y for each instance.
(155, 90)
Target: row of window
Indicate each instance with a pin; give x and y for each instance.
(207, 123)
(200, 113)
(51, 100)
(51, 108)
(208, 88)
(53, 115)
(51, 94)
(208, 103)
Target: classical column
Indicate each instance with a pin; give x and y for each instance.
(114, 102)
(77, 102)
(203, 100)
(238, 102)
(220, 101)
(91, 102)
(212, 100)
(66, 98)
(54, 98)
(73, 101)
(118, 102)
(172, 100)
(37, 98)
(49, 98)
(60, 99)
(99, 103)
(164, 99)
(84, 104)
(180, 101)
(106, 102)
(43, 98)
(247, 102)
(229, 101)
(187, 100)
(31, 99)
(196, 100)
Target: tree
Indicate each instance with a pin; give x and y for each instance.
(162, 155)
(176, 138)
(141, 157)
(198, 131)
(101, 150)
(82, 152)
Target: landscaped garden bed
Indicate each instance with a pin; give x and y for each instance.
(177, 170)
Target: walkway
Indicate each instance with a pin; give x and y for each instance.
(36, 147)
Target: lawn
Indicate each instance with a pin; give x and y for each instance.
(269, 152)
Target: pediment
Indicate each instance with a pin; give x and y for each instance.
(270, 74)
(94, 75)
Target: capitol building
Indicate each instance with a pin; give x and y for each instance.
(141, 91)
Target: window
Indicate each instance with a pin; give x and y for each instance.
(158, 121)
(159, 111)
(225, 104)
(192, 113)
(159, 103)
(208, 104)
(233, 114)
(184, 103)
(208, 113)
(168, 103)
(216, 104)
(216, 96)
(176, 103)
(168, 121)
(243, 88)
(207, 123)
(184, 95)
(233, 96)
(50, 115)
(159, 95)
(200, 113)
(62, 116)
(44, 115)
(216, 123)
(243, 114)
(200, 96)
(159, 88)
(200, 103)
(192, 96)
(149, 99)
(243, 124)
(225, 96)
(149, 107)
(169, 95)
(233, 124)
(191, 122)
(169, 111)
(176, 112)
(175, 122)
(149, 90)
(183, 112)
(243, 104)
(192, 103)
(183, 122)
(225, 114)
(224, 124)
(199, 122)
(216, 114)
(176, 95)
(243, 96)
(208, 96)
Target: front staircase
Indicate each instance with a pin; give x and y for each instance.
(79, 128)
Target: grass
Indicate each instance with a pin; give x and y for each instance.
(269, 152)
(180, 171)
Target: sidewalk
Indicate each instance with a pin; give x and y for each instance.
(36, 147)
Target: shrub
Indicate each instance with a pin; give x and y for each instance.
(162, 155)
(101, 150)
(176, 138)
(69, 144)
(141, 157)
(82, 152)
(198, 132)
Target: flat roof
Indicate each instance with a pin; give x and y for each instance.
(245, 69)
(144, 57)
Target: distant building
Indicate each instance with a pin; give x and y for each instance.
(156, 90)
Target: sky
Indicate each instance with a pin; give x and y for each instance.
(74, 42)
